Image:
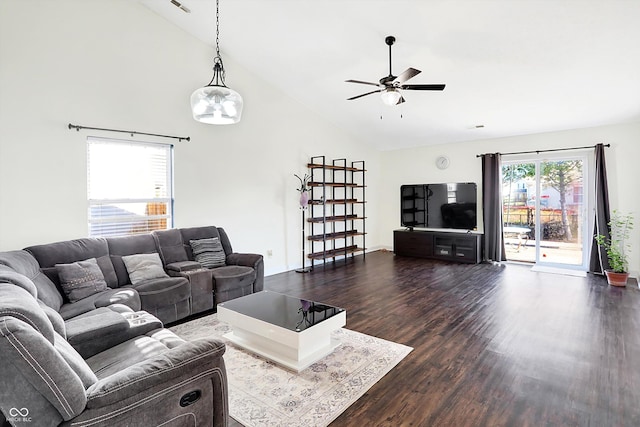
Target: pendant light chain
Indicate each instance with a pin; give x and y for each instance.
(218, 28)
(219, 73)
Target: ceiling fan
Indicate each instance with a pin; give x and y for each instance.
(390, 86)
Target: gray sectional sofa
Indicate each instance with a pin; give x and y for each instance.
(147, 376)
(82, 335)
(187, 286)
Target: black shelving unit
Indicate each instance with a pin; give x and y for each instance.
(336, 209)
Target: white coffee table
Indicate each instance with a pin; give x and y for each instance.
(292, 332)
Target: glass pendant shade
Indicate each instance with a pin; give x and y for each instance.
(216, 105)
(390, 96)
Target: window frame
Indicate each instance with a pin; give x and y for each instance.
(123, 219)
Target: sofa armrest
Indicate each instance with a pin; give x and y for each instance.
(199, 358)
(183, 266)
(93, 333)
(255, 261)
(248, 260)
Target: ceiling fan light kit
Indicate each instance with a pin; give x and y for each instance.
(390, 96)
(215, 103)
(390, 87)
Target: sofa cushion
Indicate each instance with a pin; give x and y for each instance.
(131, 352)
(128, 245)
(226, 243)
(233, 276)
(54, 317)
(143, 267)
(105, 264)
(196, 233)
(24, 263)
(19, 304)
(98, 322)
(233, 281)
(75, 361)
(34, 370)
(8, 275)
(170, 246)
(124, 296)
(81, 279)
(66, 252)
(208, 252)
(97, 330)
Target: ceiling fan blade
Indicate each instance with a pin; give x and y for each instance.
(406, 75)
(364, 94)
(400, 101)
(422, 87)
(362, 83)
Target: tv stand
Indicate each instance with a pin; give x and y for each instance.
(461, 246)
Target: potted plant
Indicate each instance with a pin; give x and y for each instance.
(617, 246)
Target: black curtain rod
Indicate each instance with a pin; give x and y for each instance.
(131, 132)
(546, 151)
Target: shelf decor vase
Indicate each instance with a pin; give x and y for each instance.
(304, 199)
(616, 279)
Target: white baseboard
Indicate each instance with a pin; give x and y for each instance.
(556, 270)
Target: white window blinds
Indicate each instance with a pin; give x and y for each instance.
(130, 187)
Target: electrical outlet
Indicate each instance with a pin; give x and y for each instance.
(269, 252)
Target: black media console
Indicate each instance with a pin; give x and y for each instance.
(450, 246)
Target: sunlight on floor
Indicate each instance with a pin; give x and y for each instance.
(556, 252)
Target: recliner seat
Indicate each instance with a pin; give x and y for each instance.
(155, 378)
(166, 298)
(241, 275)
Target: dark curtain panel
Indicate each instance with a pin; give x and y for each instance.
(599, 262)
(492, 208)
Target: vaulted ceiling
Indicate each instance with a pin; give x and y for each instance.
(511, 67)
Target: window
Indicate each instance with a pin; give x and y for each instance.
(130, 187)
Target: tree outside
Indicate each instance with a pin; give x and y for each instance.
(560, 175)
(564, 176)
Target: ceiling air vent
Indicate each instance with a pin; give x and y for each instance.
(180, 6)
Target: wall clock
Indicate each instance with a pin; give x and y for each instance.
(442, 162)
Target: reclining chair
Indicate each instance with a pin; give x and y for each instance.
(153, 379)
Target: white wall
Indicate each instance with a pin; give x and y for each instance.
(417, 165)
(118, 65)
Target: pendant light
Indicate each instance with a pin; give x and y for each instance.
(215, 103)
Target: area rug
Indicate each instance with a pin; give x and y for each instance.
(261, 393)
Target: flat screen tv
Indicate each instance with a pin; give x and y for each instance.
(442, 206)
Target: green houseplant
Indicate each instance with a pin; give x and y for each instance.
(617, 247)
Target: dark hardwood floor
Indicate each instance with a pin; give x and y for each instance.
(493, 345)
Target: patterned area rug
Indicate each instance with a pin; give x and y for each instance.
(262, 393)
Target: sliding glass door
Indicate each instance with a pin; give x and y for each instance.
(544, 211)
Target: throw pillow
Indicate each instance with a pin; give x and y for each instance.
(143, 267)
(81, 279)
(208, 252)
